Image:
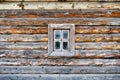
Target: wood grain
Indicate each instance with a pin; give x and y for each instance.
(44, 29)
(59, 62)
(59, 69)
(73, 13)
(43, 46)
(46, 21)
(98, 46)
(97, 38)
(97, 29)
(42, 54)
(23, 46)
(23, 30)
(60, 76)
(44, 38)
(24, 38)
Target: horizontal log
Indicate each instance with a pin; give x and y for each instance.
(44, 46)
(61, 5)
(60, 76)
(59, 70)
(23, 46)
(97, 38)
(24, 38)
(97, 29)
(59, 62)
(30, 54)
(98, 46)
(87, 13)
(39, 54)
(97, 54)
(23, 30)
(44, 30)
(46, 21)
(44, 38)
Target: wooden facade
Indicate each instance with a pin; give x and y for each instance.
(24, 40)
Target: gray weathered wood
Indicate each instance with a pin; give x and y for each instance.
(24, 38)
(90, 77)
(23, 46)
(60, 76)
(97, 54)
(33, 54)
(44, 38)
(23, 53)
(97, 37)
(59, 62)
(98, 46)
(59, 70)
(46, 21)
(83, 13)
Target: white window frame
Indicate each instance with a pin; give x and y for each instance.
(51, 28)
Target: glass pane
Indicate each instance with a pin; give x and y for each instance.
(65, 45)
(65, 34)
(57, 34)
(57, 45)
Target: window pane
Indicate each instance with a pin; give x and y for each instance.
(65, 45)
(65, 34)
(57, 45)
(57, 34)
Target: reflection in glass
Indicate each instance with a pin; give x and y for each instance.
(57, 45)
(57, 34)
(65, 45)
(65, 34)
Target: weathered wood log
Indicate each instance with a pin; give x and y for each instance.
(98, 46)
(59, 62)
(97, 29)
(23, 46)
(59, 70)
(97, 54)
(39, 54)
(97, 38)
(23, 30)
(60, 13)
(60, 76)
(24, 38)
(44, 30)
(43, 54)
(44, 38)
(43, 46)
(61, 5)
(46, 21)
(23, 54)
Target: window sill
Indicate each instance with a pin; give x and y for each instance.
(66, 53)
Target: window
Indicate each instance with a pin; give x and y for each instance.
(61, 39)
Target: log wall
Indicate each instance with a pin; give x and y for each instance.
(24, 41)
